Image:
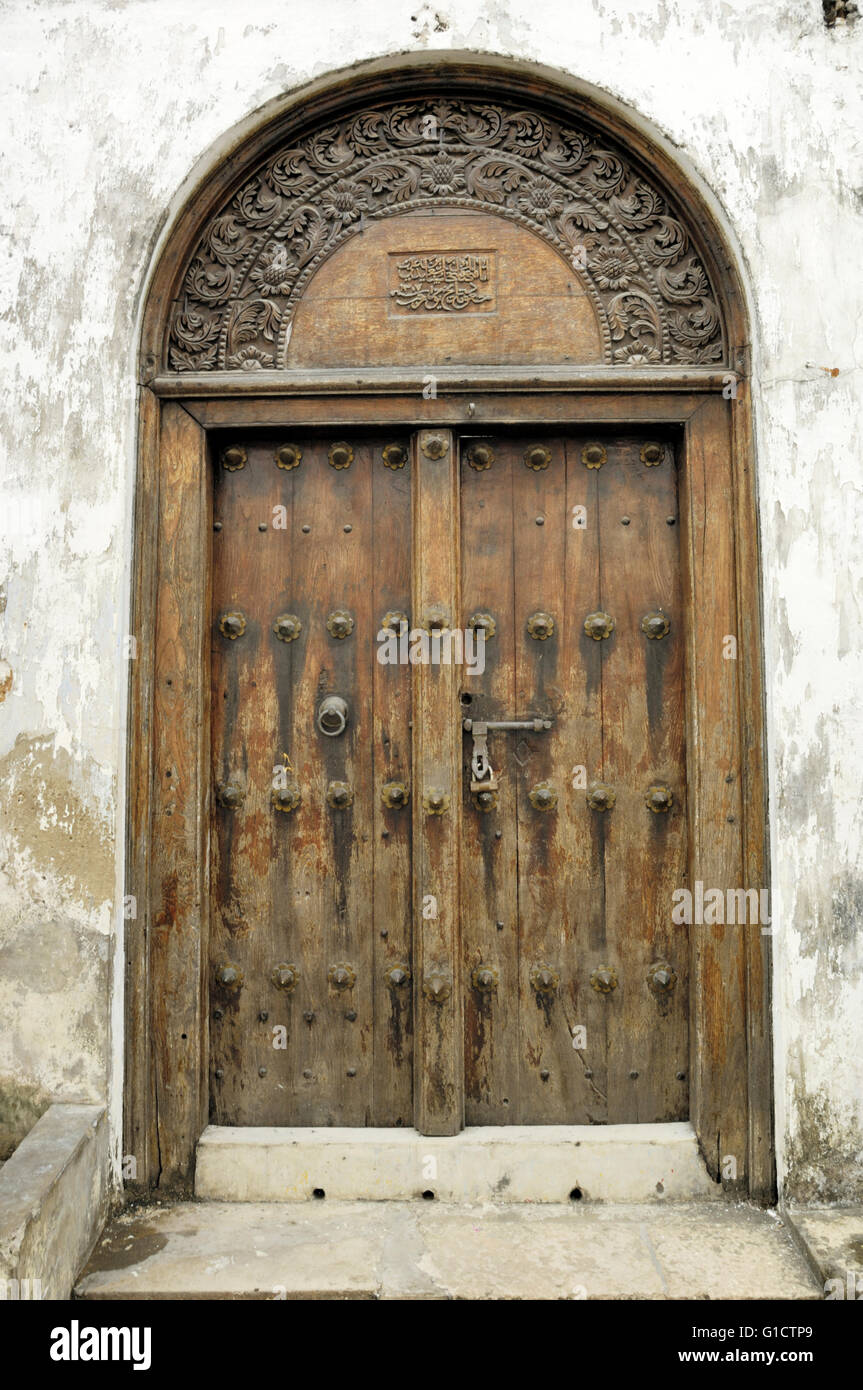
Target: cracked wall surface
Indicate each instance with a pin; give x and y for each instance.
(108, 106)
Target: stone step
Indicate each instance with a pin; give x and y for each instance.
(435, 1250)
(538, 1163)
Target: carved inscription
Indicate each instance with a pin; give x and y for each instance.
(442, 281)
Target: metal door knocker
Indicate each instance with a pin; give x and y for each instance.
(333, 715)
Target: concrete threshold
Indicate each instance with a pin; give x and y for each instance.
(542, 1163)
(433, 1250)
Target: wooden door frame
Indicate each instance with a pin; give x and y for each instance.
(168, 768)
(168, 850)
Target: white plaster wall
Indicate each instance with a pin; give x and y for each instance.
(107, 106)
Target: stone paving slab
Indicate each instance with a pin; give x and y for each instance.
(833, 1237)
(431, 1250)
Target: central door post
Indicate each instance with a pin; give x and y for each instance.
(436, 797)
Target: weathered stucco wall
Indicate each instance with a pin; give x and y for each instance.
(108, 106)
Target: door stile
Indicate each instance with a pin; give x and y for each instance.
(719, 1082)
(759, 1048)
(139, 1110)
(436, 792)
(180, 797)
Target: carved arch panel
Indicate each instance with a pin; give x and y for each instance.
(610, 219)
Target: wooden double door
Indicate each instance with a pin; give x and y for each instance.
(418, 918)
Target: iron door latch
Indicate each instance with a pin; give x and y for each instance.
(484, 777)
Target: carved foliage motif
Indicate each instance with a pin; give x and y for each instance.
(576, 190)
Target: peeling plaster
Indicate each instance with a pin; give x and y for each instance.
(21, 1105)
(49, 825)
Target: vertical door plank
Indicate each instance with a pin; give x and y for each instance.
(489, 881)
(246, 579)
(718, 1048)
(328, 851)
(643, 746)
(552, 1076)
(347, 934)
(581, 674)
(280, 601)
(391, 750)
(180, 803)
(438, 1054)
(305, 832)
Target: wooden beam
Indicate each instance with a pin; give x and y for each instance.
(487, 411)
(391, 381)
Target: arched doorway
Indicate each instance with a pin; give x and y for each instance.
(447, 346)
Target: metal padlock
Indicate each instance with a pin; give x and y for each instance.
(484, 777)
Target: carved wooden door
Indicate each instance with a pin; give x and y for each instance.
(500, 951)
(575, 979)
(310, 1017)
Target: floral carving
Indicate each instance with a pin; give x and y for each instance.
(344, 204)
(541, 199)
(613, 267)
(274, 273)
(250, 359)
(442, 176)
(587, 199)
